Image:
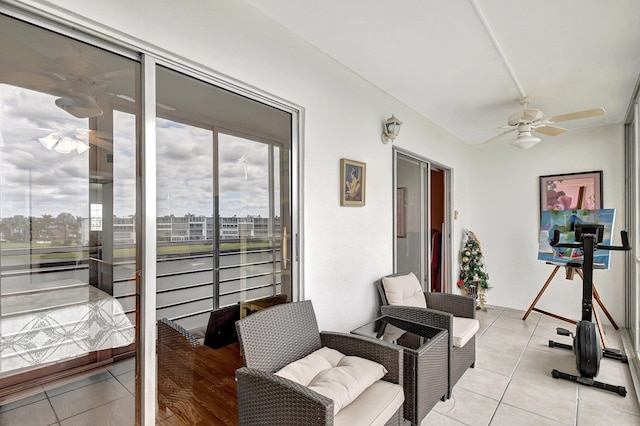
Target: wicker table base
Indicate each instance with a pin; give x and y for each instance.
(425, 361)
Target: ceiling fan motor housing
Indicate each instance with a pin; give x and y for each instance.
(526, 115)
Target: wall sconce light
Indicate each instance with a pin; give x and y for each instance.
(391, 129)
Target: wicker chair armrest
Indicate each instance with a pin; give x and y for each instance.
(267, 399)
(385, 353)
(423, 316)
(456, 304)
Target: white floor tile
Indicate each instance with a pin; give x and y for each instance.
(511, 384)
(468, 407)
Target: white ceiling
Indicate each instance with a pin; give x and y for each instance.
(465, 64)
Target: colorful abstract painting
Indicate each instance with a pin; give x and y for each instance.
(564, 221)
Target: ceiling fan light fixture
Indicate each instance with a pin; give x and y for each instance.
(525, 141)
(80, 105)
(81, 147)
(64, 144)
(50, 140)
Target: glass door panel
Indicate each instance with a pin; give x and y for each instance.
(410, 217)
(185, 226)
(421, 212)
(222, 194)
(68, 223)
(250, 234)
(633, 173)
(222, 201)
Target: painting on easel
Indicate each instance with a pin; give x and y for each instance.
(571, 191)
(564, 221)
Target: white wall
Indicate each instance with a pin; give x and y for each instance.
(345, 248)
(504, 214)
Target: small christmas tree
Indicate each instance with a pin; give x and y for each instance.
(473, 277)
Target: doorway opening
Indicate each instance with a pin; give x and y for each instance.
(422, 220)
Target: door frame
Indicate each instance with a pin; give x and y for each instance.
(80, 28)
(447, 245)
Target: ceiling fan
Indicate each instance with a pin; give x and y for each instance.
(529, 120)
(75, 76)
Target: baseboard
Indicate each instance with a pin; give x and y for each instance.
(634, 362)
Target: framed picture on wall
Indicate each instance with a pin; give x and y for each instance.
(571, 191)
(353, 177)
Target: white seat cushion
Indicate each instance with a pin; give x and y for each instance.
(334, 375)
(463, 330)
(404, 290)
(374, 406)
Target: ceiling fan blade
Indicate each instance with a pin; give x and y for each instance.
(499, 136)
(26, 79)
(550, 130)
(576, 115)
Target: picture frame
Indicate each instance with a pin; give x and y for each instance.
(353, 178)
(571, 191)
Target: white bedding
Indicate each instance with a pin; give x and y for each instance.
(86, 319)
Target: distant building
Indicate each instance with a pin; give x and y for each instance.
(196, 228)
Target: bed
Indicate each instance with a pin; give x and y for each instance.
(50, 326)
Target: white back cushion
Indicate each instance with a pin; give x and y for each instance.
(346, 381)
(334, 375)
(305, 369)
(404, 290)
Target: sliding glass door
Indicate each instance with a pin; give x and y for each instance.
(253, 175)
(421, 221)
(74, 207)
(632, 148)
(68, 224)
(222, 199)
(412, 248)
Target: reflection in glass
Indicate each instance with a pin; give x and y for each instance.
(409, 212)
(218, 198)
(67, 178)
(249, 230)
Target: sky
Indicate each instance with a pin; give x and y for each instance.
(36, 180)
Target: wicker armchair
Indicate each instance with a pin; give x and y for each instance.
(277, 336)
(441, 311)
(176, 357)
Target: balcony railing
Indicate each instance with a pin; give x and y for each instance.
(186, 275)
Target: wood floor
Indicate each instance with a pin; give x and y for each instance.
(202, 394)
(106, 396)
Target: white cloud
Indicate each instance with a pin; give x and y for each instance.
(56, 183)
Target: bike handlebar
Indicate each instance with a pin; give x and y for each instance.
(623, 234)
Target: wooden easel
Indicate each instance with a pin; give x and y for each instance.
(569, 274)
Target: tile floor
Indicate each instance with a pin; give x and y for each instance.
(103, 396)
(510, 385)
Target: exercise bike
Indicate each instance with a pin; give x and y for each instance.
(586, 344)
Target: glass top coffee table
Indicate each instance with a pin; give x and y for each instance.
(426, 363)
